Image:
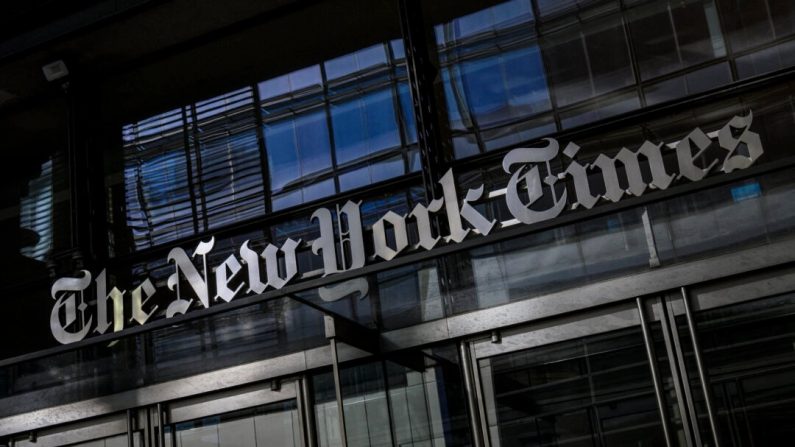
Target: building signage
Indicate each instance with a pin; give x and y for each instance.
(341, 243)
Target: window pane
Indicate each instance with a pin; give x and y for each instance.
(297, 147)
(365, 125)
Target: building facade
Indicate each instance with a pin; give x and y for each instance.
(398, 223)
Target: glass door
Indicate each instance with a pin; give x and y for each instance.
(105, 431)
(576, 382)
(255, 416)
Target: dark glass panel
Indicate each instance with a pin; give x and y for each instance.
(587, 60)
(230, 174)
(272, 424)
(35, 237)
(418, 401)
(669, 36)
(748, 353)
(591, 391)
(750, 23)
(157, 182)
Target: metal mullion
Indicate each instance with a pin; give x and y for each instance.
(633, 61)
(306, 411)
(197, 150)
(161, 433)
(689, 400)
(394, 83)
(473, 404)
(655, 375)
(130, 439)
(390, 417)
(189, 170)
(674, 366)
(330, 128)
(263, 150)
(338, 391)
(702, 376)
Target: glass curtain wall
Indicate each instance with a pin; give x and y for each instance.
(339, 125)
(519, 70)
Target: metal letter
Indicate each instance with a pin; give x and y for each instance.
(115, 295)
(751, 139)
(579, 173)
(346, 288)
(138, 301)
(473, 216)
(197, 282)
(382, 248)
(421, 214)
(66, 301)
(325, 244)
(223, 274)
(631, 162)
(251, 259)
(457, 231)
(350, 236)
(271, 256)
(685, 156)
(532, 181)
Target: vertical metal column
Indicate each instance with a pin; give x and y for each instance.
(655, 375)
(129, 429)
(306, 412)
(469, 387)
(702, 377)
(161, 426)
(338, 391)
(421, 72)
(680, 357)
(675, 371)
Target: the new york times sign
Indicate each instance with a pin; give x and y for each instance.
(195, 284)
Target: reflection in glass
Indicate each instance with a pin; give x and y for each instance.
(386, 403)
(588, 60)
(750, 361)
(671, 36)
(274, 424)
(492, 71)
(326, 128)
(751, 23)
(340, 125)
(594, 391)
(157, 183)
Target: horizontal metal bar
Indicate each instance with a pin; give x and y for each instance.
(225, 402)
(552, 331)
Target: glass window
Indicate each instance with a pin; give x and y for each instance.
(364, 126)
(157, 181)
(230, 170)
(492, 72)
(588, 60)
(750, 23)
(297, 147)
(388, 403)
(669, 36)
